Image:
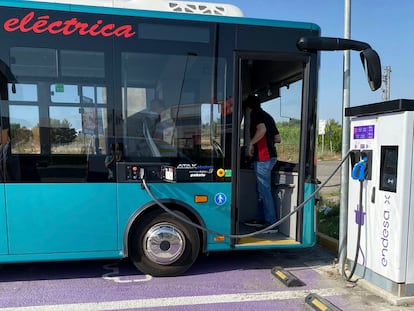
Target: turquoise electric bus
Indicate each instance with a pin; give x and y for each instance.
(123, 130)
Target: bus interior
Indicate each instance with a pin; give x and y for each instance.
(277, 81)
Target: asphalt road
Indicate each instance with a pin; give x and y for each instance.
(324, 170)
(222, 281)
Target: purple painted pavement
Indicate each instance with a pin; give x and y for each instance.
(218, 274)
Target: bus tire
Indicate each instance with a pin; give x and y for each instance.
(163, 245)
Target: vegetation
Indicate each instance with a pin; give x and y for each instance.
(20, 134)
(288, 150)
(327, 209)
(329, 146)
(331, 142)
(289, 131)
(62, 135)
(61, 132)
(327, 217)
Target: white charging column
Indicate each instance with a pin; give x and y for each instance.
(384, 132)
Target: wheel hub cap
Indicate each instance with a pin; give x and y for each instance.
(164, 243)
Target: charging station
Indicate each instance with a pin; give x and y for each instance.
(381, 195)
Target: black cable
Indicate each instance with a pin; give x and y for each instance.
(359, 217)
(239, 236)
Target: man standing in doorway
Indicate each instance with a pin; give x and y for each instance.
(263, 136)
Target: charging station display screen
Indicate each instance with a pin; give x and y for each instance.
(364, 132)
(388, 170)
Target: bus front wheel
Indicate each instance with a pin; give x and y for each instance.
(162, 245)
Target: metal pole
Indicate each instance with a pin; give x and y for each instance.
(323, 144)
(386, 78)
(343, 215)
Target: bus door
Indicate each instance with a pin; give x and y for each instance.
(277, 82)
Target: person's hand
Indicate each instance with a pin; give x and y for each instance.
(251, 150)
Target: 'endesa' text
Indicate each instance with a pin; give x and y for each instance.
(68, 27)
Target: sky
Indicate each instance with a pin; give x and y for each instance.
(384, 24)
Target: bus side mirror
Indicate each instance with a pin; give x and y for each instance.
(370, 59)
(372, 66)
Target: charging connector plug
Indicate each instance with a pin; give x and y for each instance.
(358, 171)
(141, 174)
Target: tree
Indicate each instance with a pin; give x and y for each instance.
(61, 132)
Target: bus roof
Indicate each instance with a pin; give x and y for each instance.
(103, 7)
(160, 5)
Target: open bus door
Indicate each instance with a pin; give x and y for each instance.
(278, 82)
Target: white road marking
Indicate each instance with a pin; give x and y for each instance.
(114, 275)
(180, 301)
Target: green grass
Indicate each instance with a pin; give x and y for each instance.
(327, 218)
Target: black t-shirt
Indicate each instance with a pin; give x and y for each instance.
(264, 149)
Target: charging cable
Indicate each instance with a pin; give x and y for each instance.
(239, 236)
(358, 173)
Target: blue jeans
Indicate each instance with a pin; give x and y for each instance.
(266, 208)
